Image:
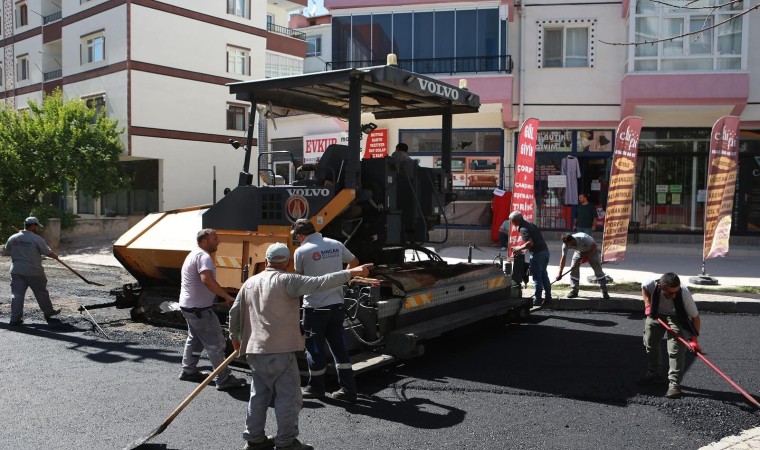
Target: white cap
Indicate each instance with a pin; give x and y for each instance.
(278, 252)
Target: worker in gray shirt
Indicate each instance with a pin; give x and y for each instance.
(26, 249)
(264, 327)
(585, 251)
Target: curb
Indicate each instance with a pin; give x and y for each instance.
(726, 305)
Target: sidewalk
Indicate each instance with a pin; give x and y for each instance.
(643, 261)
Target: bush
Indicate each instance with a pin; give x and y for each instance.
(47, 212)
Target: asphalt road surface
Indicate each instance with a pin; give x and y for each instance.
(562, 380)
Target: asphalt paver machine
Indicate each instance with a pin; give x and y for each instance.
(382, 209)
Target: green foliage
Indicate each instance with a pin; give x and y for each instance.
(46, 212)
(58, 142)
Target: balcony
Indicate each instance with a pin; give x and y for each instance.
(53, 75)
(469, 64)
(51, 18)
(272, 28)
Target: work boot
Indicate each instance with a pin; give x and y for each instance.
(296, 445)
(652, 379)
(195, 377)
(343, 395)
(674, 391)
(310, 392)
(572, 294)
(53, 313)
(266, 444)
(605, 295)
(231, 382)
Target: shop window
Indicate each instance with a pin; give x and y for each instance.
(476, 169)
(566, 43)
(141, 197)
(85, 203)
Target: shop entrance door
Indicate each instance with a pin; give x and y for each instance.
(747, 209)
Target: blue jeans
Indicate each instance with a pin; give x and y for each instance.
(322, 325)
(538, 263)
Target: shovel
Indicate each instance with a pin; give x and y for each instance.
(79, 275)
(184, 403)
(712, 366)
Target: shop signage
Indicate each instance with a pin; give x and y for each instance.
(554, 141)
(374, 145)
(620, 194)
(722, 169)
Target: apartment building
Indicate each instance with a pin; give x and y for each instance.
(571, 66)
(160, 69)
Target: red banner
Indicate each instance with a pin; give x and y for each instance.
(523, 191)
(377, 144)
(620, 194)
(722, 169)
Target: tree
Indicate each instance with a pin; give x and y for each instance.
(52, 144)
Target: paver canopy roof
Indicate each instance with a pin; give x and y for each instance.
(386, 91)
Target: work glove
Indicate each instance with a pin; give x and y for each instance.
(694, 345)
(584, 259)
(648, 310)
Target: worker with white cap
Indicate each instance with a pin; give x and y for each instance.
(265, 327)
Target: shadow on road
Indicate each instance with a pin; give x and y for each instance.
(98, 350)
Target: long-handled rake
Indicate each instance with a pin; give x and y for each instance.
(699, 354)
(185, 402)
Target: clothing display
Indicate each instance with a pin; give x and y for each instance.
(572, 172)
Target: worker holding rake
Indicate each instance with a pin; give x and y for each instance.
(665, 299)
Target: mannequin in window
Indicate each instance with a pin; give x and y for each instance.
(572, 172)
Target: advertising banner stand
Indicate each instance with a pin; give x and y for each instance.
(722, 170)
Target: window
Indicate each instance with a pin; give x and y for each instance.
(278, 65)
(704, 49)
(240, 8)
(238, 60)
(448, 41)
(565, 45)
(93, 48)
(22, 68)
(22, 15)
(314, 46)
(98, 104)
(236, 117)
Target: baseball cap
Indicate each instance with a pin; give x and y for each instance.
(32, 221)
(278, 252)
(303, 226)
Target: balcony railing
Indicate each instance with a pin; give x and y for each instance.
(468, 64)
(286, 31)
(51, 18)
(55, 74)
